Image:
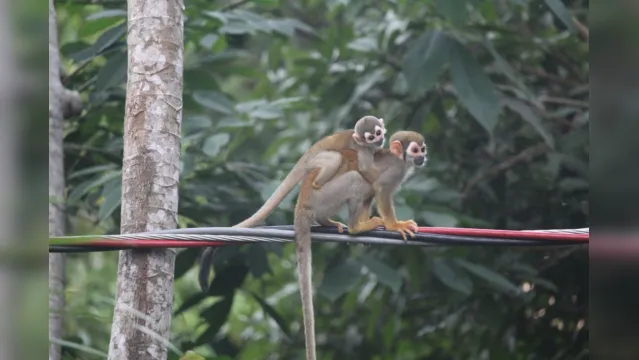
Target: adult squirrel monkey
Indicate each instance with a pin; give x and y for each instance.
(407, 151)
(326, 157)
(342, 151)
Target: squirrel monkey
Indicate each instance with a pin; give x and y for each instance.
(327, 155)
(407, 151)
(342, 151)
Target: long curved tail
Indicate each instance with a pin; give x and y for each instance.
(302, 225)
(286, 186)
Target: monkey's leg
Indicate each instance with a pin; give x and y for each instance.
(306, 189)
(329, 222)
(361, 220)
(328, 163)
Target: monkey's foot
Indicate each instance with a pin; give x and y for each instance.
(338, 225)
(403, 227)
(367, 225)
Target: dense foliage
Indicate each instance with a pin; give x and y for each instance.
(498, 88)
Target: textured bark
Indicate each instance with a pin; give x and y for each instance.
(150, 176)
(62, 103)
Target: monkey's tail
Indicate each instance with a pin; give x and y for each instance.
(302, 225)
(289, 182)
(206, 262)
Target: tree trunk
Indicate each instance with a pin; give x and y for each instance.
(62, 103)
(150, 177)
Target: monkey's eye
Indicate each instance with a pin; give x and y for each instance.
(415, 150)
(378, 132)
(423, 149)
(371, 137)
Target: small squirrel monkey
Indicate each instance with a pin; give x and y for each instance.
(326, 158)
(407, 151)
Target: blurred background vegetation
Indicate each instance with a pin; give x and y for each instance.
(500, 90)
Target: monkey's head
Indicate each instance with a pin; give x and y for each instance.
(409, 146)
(370, 132)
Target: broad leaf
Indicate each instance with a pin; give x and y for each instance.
(439, 219)
(228, 280)
(530, 117)
(273, 314)
(560, 10)
(454, 10)
(214, 100)
(384, 273)
(113, 73)
(215, 316)
(425, 59)
(257, 260)
(474, 88)
(108, 38)
(214, 144)
(111, 202)
(340, 279)
(494, 278)
(452, 278)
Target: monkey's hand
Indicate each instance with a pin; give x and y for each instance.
(316, 186)
(403, 227)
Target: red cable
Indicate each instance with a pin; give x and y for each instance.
(519, 234)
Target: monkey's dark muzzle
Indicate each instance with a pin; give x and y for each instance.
(420, 161)
(379, 142)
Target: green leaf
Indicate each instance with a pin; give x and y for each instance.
(190, 302)
(560, 10)
(213, 100)
(228, 280)
(573, 184)
(113, 73)
(455, 280)
(364, 44)
(424, 60)
(545, 284)
(213, 144)
(90, 28)
(184, 261)
(216, 316)
(108, 38)
(494, 278)
(111, 202)
(92, 170)
(384, 273)
(340, 279)
(474, 88)
(87, 186)
(530, 117)
(257, 260)
(273, 314)
(453, 10)
(439, 219)
(192, 123)
(107, 14)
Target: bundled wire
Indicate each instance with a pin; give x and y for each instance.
(223, 236)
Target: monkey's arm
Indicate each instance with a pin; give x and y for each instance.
(386, 209)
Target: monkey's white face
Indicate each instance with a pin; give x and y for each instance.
(377, 136)
(416, 154)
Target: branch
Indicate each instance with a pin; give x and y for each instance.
(564, 101)
(234, 5)
(552, 77)
(526, 155)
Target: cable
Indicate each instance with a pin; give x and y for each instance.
(223, 236)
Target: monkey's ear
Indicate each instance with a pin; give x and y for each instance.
(396, 148)
(357, 138)
(381, 121)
